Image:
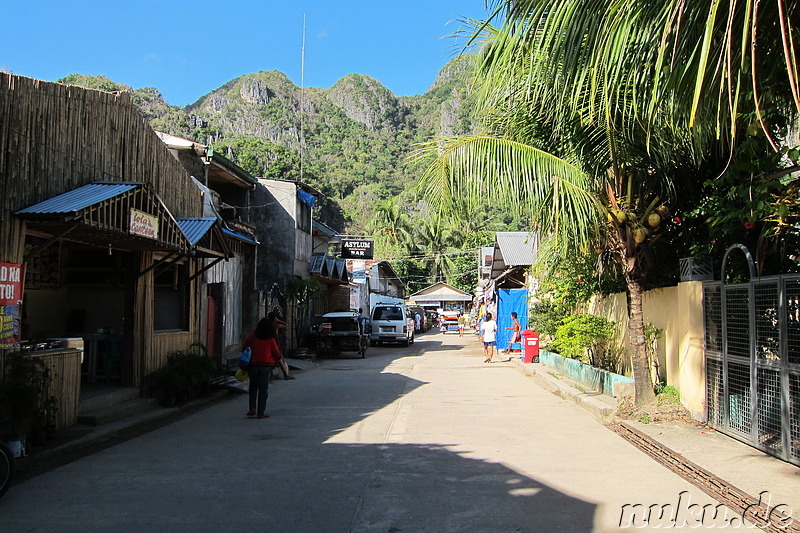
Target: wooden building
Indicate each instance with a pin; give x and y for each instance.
(91, 204)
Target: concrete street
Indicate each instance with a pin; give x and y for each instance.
(420, 439)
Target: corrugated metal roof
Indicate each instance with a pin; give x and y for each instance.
(441, 291)
(341, 265)
(518, 247)
(444, 296)
(226, 231)
(195, 228)
(77, 199)
(316, 224)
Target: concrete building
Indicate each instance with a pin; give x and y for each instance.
(231, 303)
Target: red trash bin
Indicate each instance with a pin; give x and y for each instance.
(530, 346)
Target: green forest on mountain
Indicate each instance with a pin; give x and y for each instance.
(352, 142)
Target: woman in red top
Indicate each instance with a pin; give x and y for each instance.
(264, 357)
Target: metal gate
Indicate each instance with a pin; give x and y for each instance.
(752, 346)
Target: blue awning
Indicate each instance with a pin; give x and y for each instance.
(77, 199)
(244, 238)
(195, 228)
(104, 214)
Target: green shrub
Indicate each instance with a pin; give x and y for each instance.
(186, 376)
(545, 317)
(25, 402)
(667, 392)
(586, 338)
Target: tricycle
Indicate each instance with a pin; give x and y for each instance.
(342, 331)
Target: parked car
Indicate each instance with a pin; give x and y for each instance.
(342, 331)
(448, 321)
(391, 323)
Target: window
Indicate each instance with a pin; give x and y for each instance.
(303, 217)
(388, 313)
(171, 298)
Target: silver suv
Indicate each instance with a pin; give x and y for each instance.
(391, 323)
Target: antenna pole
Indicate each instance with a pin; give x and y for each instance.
(302, 93)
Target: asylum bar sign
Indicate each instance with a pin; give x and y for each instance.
(356, 249)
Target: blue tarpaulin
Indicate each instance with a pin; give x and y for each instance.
(509, 300)
(307, 198)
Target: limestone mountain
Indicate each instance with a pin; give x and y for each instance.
(350, 140)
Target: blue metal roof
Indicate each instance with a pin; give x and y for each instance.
(195, 228)
(77, 199)
(238, 236)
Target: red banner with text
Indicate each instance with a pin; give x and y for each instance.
(11, 283)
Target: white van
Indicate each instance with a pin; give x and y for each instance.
(391, 323)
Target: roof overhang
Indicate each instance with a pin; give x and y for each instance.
(510, 277)
(389, 270)
(125, 216)
(330, 269)
(223, 170)
(441, 291)
(321, 230)
(206, 237)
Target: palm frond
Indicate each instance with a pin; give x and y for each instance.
(558, 197)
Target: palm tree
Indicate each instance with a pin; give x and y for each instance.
(391, 222)
(585, 117)
(435, 239)
(704, 64)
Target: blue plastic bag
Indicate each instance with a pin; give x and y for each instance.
(244, 360)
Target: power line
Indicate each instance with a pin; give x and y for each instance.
(414, 256)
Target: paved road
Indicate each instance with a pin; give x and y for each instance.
(420, 439)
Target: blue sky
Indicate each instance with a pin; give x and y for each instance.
(187, 49)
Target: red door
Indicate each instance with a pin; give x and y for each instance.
(211, 325)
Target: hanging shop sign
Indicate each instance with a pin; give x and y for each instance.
(11, 282)
(356, 249)
(359, 272)
(144, 225)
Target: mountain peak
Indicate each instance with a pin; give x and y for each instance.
(366, 100)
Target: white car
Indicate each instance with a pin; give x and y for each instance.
(391, 323)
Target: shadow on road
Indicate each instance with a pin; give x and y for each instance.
(334, 456)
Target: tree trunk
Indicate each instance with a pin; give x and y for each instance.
(644, 393)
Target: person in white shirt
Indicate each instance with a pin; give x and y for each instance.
(489, 336)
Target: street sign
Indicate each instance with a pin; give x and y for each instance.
(356, 249)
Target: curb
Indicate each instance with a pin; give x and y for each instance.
(597, 403)
(126, 428)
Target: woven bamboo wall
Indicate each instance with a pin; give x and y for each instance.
(151, 348)
(65, 371)
(55, 138)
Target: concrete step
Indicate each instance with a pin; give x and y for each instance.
(107, 399)
(119, 411)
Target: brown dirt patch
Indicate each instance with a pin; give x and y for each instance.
(666, 409)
